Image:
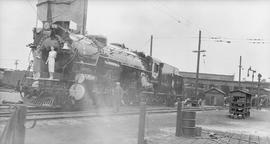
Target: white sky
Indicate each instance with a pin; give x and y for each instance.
(132, 23)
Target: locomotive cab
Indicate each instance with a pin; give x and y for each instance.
(156, 69)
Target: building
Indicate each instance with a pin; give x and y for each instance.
(223, 82)
(214, 97)
(208, 76)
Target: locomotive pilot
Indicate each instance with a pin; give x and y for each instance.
(51, 61)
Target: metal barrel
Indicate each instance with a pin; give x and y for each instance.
(189, 123)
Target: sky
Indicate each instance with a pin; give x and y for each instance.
(174, 25)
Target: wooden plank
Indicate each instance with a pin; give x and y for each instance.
(225, 137)
(254, 139)
(240, 138)
(245, 139)
(235, 138)
(234, 141)
(263, 140)
(208, 139)
(229, 138)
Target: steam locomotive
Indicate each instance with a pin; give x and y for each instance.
(86, 69)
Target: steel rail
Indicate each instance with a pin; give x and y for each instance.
(82, 114)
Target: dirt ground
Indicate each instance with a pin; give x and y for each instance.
(124, 129)
(257, 124)
(160, 128)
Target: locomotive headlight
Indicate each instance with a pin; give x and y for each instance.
(77, 91)
(46, 25)
(79, 78)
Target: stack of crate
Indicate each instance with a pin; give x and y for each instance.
(240, 104)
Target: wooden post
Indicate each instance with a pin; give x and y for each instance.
(198, 68)
(179, 119)
(14, 132)
(240, 67)
(142, 121)
(151, 45)
(198, 65)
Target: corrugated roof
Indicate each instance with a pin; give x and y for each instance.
(243, 91)
(215, 89)
(207, 76)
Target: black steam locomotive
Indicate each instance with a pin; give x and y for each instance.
(86, 69)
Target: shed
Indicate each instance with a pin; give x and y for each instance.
(240, 103)
(214, 97)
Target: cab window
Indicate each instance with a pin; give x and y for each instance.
(156, 67)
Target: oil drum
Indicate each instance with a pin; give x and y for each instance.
(188, 123)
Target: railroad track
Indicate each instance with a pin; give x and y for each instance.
(50, 115)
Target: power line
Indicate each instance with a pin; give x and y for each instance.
(183, 20)
(28, 1)
(168, 14)
(219, 39)
(212, 37)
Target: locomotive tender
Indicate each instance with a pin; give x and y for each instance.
(86, 68)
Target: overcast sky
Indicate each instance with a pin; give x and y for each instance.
(174, 24)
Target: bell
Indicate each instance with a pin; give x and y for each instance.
(65, 46)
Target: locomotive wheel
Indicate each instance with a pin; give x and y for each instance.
(77, 91)
(82, 98)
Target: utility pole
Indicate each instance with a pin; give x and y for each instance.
(16, 64)
(198, 63)
(240, 67)
(151, 45)
(253, 72)
(259, 84)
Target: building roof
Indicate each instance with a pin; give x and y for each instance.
(215, 89)
(207, 76)
(242, 91)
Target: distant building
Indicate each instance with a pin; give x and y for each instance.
(208, 76)
(223, 82)
(214, 97)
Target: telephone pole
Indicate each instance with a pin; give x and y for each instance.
(240, 67)
(16, 64)
(253, 72)
(259, 84)
(151, 45)
(198, 63)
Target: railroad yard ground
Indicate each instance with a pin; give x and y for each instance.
(160, 128)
